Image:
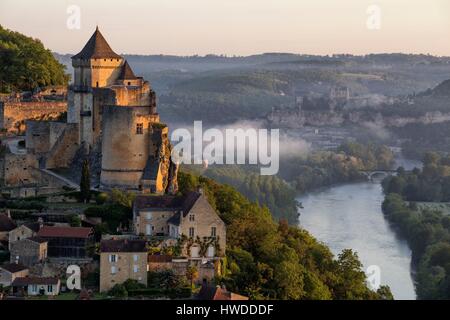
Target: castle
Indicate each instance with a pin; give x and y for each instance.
(111, 118)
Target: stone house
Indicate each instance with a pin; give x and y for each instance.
(29, 251)
(24, 231)
(9, 272)
(121, 260)
(189, 217)
(72, 243)
(33, 286)
(6, 225)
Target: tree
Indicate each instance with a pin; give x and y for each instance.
(85, 183)
(192, 274)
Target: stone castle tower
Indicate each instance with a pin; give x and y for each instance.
(116, 110)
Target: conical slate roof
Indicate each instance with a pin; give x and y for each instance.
(126, 72)
(96, 48)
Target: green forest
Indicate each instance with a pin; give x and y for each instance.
(26, 64)
(427, 229)
(269, 260)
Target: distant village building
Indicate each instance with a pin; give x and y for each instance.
(121, 260)
(9, 272)
(68, 242)
(190, 217)
(29, 251)
(34, 286)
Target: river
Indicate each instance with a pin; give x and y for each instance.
(350, 216)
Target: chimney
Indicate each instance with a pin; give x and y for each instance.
(8, 213)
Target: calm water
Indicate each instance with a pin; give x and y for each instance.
(349, 216)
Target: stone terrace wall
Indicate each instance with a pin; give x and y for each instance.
(13, 114)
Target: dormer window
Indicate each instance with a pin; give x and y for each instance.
(191, 217)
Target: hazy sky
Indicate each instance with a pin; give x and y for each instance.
(241, 27)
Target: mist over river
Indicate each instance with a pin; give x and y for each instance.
(350, 216)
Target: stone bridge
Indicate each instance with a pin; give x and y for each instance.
(371, 174)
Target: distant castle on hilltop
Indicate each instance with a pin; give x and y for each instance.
(111, 119)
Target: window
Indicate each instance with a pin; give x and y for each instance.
(191, 217)
(49, 288)
(34, 288)
(112, 258)
(113, 270)
(97, 84)
(149, 216)
(148, 230)
(135, 257)
(191, 232)
(140, 128)
(135, 268)
(213, 232)
(129, 83)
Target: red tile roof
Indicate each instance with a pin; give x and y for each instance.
(64, 232)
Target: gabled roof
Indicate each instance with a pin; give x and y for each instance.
(6, 223)
(127, 73)
(218, 293)
(13, 267)
(96, 48)
(123, 245)
(175, 203)
(33, 226)
(26, 281)
(64, 232)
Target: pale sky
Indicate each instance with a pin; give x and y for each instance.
(237, 27)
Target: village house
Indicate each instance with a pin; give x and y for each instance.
(121, 260)
(29, 251)
(189, 217)
(33, 286)
(72, 243)
(9, 272)
(24, 231)
(6, 225)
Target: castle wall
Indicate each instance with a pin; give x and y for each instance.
(42, 135)
(133, 94)
(17, 169)
(124, 150)
(14, 114)
(64, 148)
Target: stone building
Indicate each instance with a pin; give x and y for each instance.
(121, 260)
(111, 119)
(24, 231)
(29, 251)
(68, 243)
(190, 217)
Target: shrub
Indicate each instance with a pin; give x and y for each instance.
(101, 198)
